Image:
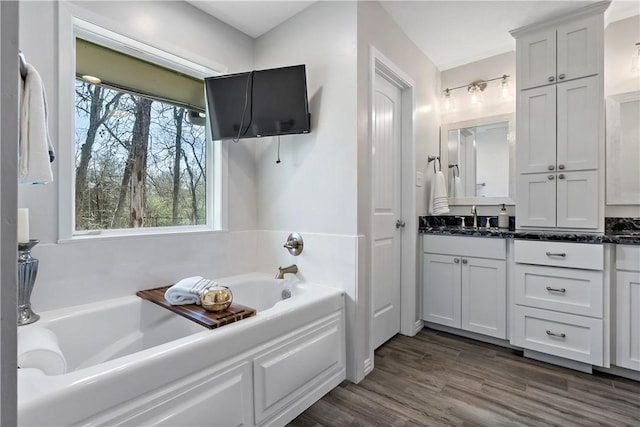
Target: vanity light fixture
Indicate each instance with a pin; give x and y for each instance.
(635, 59)
(475, 90)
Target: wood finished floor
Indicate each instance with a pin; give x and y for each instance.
(439, 379)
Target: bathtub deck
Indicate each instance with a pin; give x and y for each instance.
(196, 313)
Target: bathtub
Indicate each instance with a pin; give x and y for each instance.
(132, 362)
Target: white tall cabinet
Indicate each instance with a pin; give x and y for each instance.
(627, 337)
(560, 123)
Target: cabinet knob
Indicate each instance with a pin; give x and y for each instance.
(560, 167)
(464, 261)
(551, 177)
(551, 78)
(561, 77)
(456, 260)
(551, 167)
(561, 176)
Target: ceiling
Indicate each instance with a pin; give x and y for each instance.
(450, 33)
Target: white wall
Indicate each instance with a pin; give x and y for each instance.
(620, 38)
(79, 272)
(314, 189)
(378, 30)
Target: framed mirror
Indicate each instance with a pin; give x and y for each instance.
(478, 160)
(623, 148)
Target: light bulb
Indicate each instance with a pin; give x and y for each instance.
(475, 93)
(447, 100)
(504, 88)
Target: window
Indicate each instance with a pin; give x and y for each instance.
(142, 155)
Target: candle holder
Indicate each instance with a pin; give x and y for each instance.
(27, 272)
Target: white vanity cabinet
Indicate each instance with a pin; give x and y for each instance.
(559, 295)
(559, 53)
(464, 283)
(627, 336)
(560, 123)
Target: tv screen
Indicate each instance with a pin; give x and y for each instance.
(258, 103)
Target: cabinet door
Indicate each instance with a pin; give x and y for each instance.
(577, 200)
(484, 296)
(578, 124)
(536, 205)
(441, 289)
(578, 50)
(628, 319)
(536, 57)
(536, 130)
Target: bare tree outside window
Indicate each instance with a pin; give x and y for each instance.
(139, 162)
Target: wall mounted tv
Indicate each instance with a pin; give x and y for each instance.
(258, 103)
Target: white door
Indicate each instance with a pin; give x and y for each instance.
(536, 130)
(386, 188)
(628, 319)
(536, 200)
(536, 59)
(577, 206)
(441, 289)
(578, 48)
(484, 296)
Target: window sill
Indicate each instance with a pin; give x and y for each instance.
(93, 236)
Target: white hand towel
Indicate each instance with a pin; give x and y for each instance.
(456, 184)
(438, 203)
(187, 291)
(35, 145)
(38, 348)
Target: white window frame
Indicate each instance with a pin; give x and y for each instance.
(72, 25)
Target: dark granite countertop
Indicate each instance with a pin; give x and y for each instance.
(616, 234)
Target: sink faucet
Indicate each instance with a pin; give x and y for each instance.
(283, 270)
(474, 212)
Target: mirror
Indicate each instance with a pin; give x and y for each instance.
(478, 160)
(623, 148)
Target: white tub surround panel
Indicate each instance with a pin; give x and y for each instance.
(560, 123)
(82, 272)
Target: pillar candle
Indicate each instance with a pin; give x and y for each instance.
(23, 225)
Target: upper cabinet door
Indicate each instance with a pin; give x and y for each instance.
(536, 57)
(578, 124)
(536, 131)
(578, 50)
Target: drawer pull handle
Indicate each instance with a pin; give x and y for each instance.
(553, 334)
(561, 290)
(561, 254)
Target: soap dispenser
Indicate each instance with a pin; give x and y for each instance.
(503, 218)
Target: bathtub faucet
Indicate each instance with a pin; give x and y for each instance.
(283, 270)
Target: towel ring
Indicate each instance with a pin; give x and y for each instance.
(457, 169)
(431, 159)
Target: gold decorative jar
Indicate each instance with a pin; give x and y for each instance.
(216, 298)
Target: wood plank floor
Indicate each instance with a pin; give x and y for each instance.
(439, 379)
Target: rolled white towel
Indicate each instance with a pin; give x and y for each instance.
(187, 291)
(38, 348)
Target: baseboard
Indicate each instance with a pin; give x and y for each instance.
(629, 374)
(472, 335)
(560, 361)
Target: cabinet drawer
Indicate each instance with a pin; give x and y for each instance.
(628, 257)
(465, 246)
(564, 335)
(559, 254)
(561, 289)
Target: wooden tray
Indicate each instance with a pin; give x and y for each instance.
(196, 313)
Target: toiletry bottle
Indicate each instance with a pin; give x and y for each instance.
(503, 218)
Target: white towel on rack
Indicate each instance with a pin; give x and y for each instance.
(187, 291)
(34, 166)
(456, 187)
(438, 199)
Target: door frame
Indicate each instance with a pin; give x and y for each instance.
(409, 324)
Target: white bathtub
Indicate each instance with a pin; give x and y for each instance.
(131, 362)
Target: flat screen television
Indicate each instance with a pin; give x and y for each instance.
(258, 103)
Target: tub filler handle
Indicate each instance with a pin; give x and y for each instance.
(294, 244)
